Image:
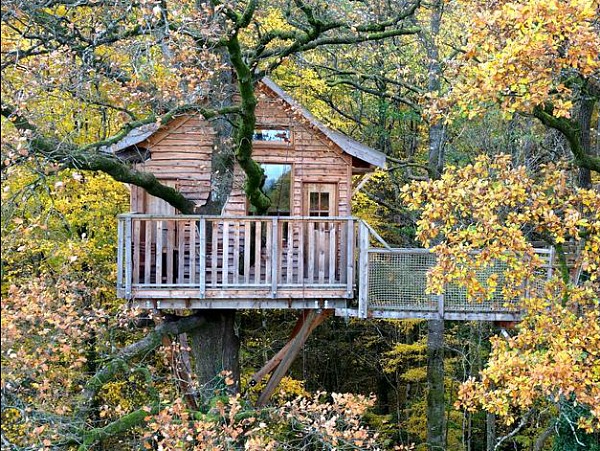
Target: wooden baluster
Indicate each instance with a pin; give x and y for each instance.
(268, 253)
(290, 253)
(225, 253)
(214, 253)
(137, 242)
(311, 251)
(159, 253)
(247, 251)
(236, 253)
(321, 241)
(182, 240)
(202, 272)
(192, 251)
(301, 253)
(257, 252)
(276, 255)
(332, 251)
(148, 252)
(170, 250)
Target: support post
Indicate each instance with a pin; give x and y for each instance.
(313, 316)
(440, 300)
(350, 257)
(363, 268)
(550, 263)
(120, 261)
(277, 358)
(128, 255)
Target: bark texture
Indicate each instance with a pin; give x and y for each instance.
(215, 350)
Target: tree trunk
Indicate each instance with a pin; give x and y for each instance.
(584, 119)
(436, 417)
(436, 414)
(490, 431)
(215, 351)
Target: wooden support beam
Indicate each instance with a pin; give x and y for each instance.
(282, 361)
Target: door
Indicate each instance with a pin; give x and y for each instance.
(321, 249)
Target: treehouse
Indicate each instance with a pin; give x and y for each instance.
(308, 253)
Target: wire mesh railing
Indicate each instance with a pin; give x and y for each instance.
(394, 280)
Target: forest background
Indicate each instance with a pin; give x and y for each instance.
(480, 104)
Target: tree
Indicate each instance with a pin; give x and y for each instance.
(538, 58)
(485, 215)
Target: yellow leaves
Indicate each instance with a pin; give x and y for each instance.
(479, 215)
(518, 52)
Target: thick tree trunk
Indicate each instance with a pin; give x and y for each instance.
(215, 351)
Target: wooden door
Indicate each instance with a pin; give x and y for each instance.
(320, 201)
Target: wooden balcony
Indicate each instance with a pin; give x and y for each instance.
(236, 262)
(203, 262)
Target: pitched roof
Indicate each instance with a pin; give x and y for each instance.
(347, 144)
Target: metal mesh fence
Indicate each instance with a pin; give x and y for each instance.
(398, 281)
(455, 297)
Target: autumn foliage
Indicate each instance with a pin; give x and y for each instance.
(524, 53)
(486, 213)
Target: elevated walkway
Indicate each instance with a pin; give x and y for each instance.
(331, 263)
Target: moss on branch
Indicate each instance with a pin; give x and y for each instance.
(570, 129)
(245, 130)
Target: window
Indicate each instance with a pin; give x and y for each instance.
(272, 136)
(277, 187)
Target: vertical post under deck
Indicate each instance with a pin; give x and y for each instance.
(363, 268)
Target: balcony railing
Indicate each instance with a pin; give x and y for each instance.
(217, 262)
(214, 257)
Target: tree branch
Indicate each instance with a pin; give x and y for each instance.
(571, 132)
(140, 348)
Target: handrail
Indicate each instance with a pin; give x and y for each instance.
(233, 218)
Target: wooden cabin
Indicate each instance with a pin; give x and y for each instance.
(308, 253)
(300, 256)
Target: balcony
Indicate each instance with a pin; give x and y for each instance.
(215, 262)
(236, 262)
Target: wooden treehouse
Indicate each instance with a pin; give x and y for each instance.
(308, 254)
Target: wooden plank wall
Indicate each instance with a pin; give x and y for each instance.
(181, 155)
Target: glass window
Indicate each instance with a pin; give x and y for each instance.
(272, 136)
(277, 187)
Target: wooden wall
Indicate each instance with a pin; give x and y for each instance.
(313, 158)
(181, 156)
